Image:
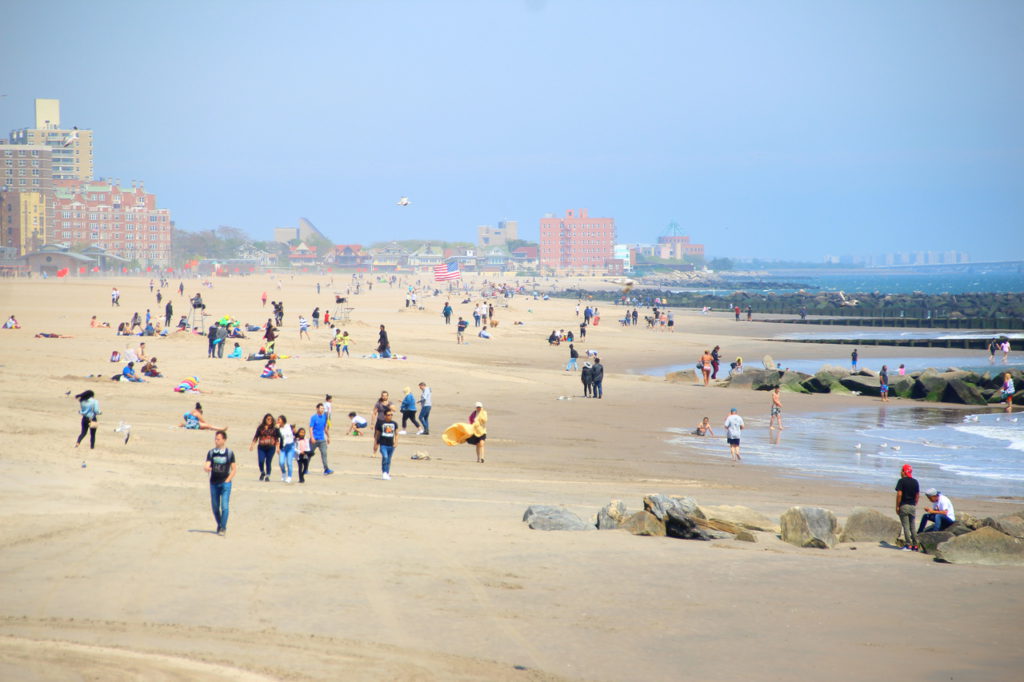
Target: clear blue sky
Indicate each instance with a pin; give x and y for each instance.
(773, 129)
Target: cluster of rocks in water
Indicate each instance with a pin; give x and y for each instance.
(950, 386)
(989, 541)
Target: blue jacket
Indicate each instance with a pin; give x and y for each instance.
(408, 403)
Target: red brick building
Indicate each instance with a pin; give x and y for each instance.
(124, 221)
(577, 242)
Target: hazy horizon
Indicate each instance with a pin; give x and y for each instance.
(787, 130)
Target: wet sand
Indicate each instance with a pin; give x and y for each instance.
(113, 572)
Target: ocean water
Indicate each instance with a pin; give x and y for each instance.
(868, 281)
(961, 453)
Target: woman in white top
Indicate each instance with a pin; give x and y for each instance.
(286, 448)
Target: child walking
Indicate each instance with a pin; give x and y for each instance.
(302, 453)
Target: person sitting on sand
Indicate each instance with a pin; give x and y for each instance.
(553, 338)
(736, 367)
(128, 374)
(270, 370)
(150, 370)
(194, 421)
(11, 323)
(94, 323)
(182, 324)
(236, 352)
(704, 428)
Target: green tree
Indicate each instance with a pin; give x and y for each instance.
(720, 264)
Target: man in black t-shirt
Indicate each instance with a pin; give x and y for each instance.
(387, 438)
(907, 492)
(221, 465)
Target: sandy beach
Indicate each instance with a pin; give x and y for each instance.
(113, 571)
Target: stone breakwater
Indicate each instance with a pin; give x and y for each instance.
(1005, 308)
(949, 386)
(989, 541)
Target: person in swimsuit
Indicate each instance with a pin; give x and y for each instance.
(704, 428)
(194, 420)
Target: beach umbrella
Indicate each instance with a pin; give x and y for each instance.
(63, 272)
(124, 270)
(81, 269)
(95, 268)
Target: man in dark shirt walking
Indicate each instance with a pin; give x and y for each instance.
(907, 492)
(221, 465)
(596, 379)
(168, 313)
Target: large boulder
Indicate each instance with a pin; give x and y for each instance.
(611, 515)
(757, 379)
(900, 386)
(862, 385)
(986, 546)
(744, 517)
(678, 524)
(869, 525)
(793, 381)
(964, 524)
(929, 386)
(834, 371)
(546, 517)
(643, 523)
(809, 527)
(929, 540)
(960, 392)
(659, 504)
(1012, 524)
(825, 382)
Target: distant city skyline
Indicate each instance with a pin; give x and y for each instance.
(787, 130)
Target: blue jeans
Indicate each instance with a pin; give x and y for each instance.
(425, 418)
(220, 495)
(265, 456)
(385, 458)
(571, 364)
(286, 457)
(597, 389)
(940, 521)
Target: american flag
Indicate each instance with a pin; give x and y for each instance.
(448, 271)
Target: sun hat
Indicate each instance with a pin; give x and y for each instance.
(931, 492)
(479, 404)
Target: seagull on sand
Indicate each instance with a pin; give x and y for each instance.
(126, 429)
(404, 201)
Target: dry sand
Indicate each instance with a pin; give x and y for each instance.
(112, 572)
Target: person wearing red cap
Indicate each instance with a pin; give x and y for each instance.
(907, 492)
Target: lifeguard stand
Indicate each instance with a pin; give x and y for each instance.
(197, 314)
(342, 312)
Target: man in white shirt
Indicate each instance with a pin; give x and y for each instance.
(733, 427)
(941, 513)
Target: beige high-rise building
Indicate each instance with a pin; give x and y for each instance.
(72, 153)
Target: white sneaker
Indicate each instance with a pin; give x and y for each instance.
(282, 478)
(288, 480)
(420, 432)
(386, 477)
(401, 433)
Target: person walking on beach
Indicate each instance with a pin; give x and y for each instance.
(426, 402)
(883, 383)
(586, 376)
(221, 465)
(316, 316)
(408, 408)
(733, 429)
(447, 312)
(907, 492)
(992, 346)
(574, 356)
(853, 359)
(478, 420)
(265, 440)
(304, 328)
(379, 411)
(776, 409)
(705, 366)
(383, 344)
(386, 434)
(716, 358)
(941, 515)
(1005, 347)
(1007, 391)
(460, 330)
(168, 313)
(750, 313)
(286, 448)
(597, 379)
(320, 430)
(89, 408)
(736, 310)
